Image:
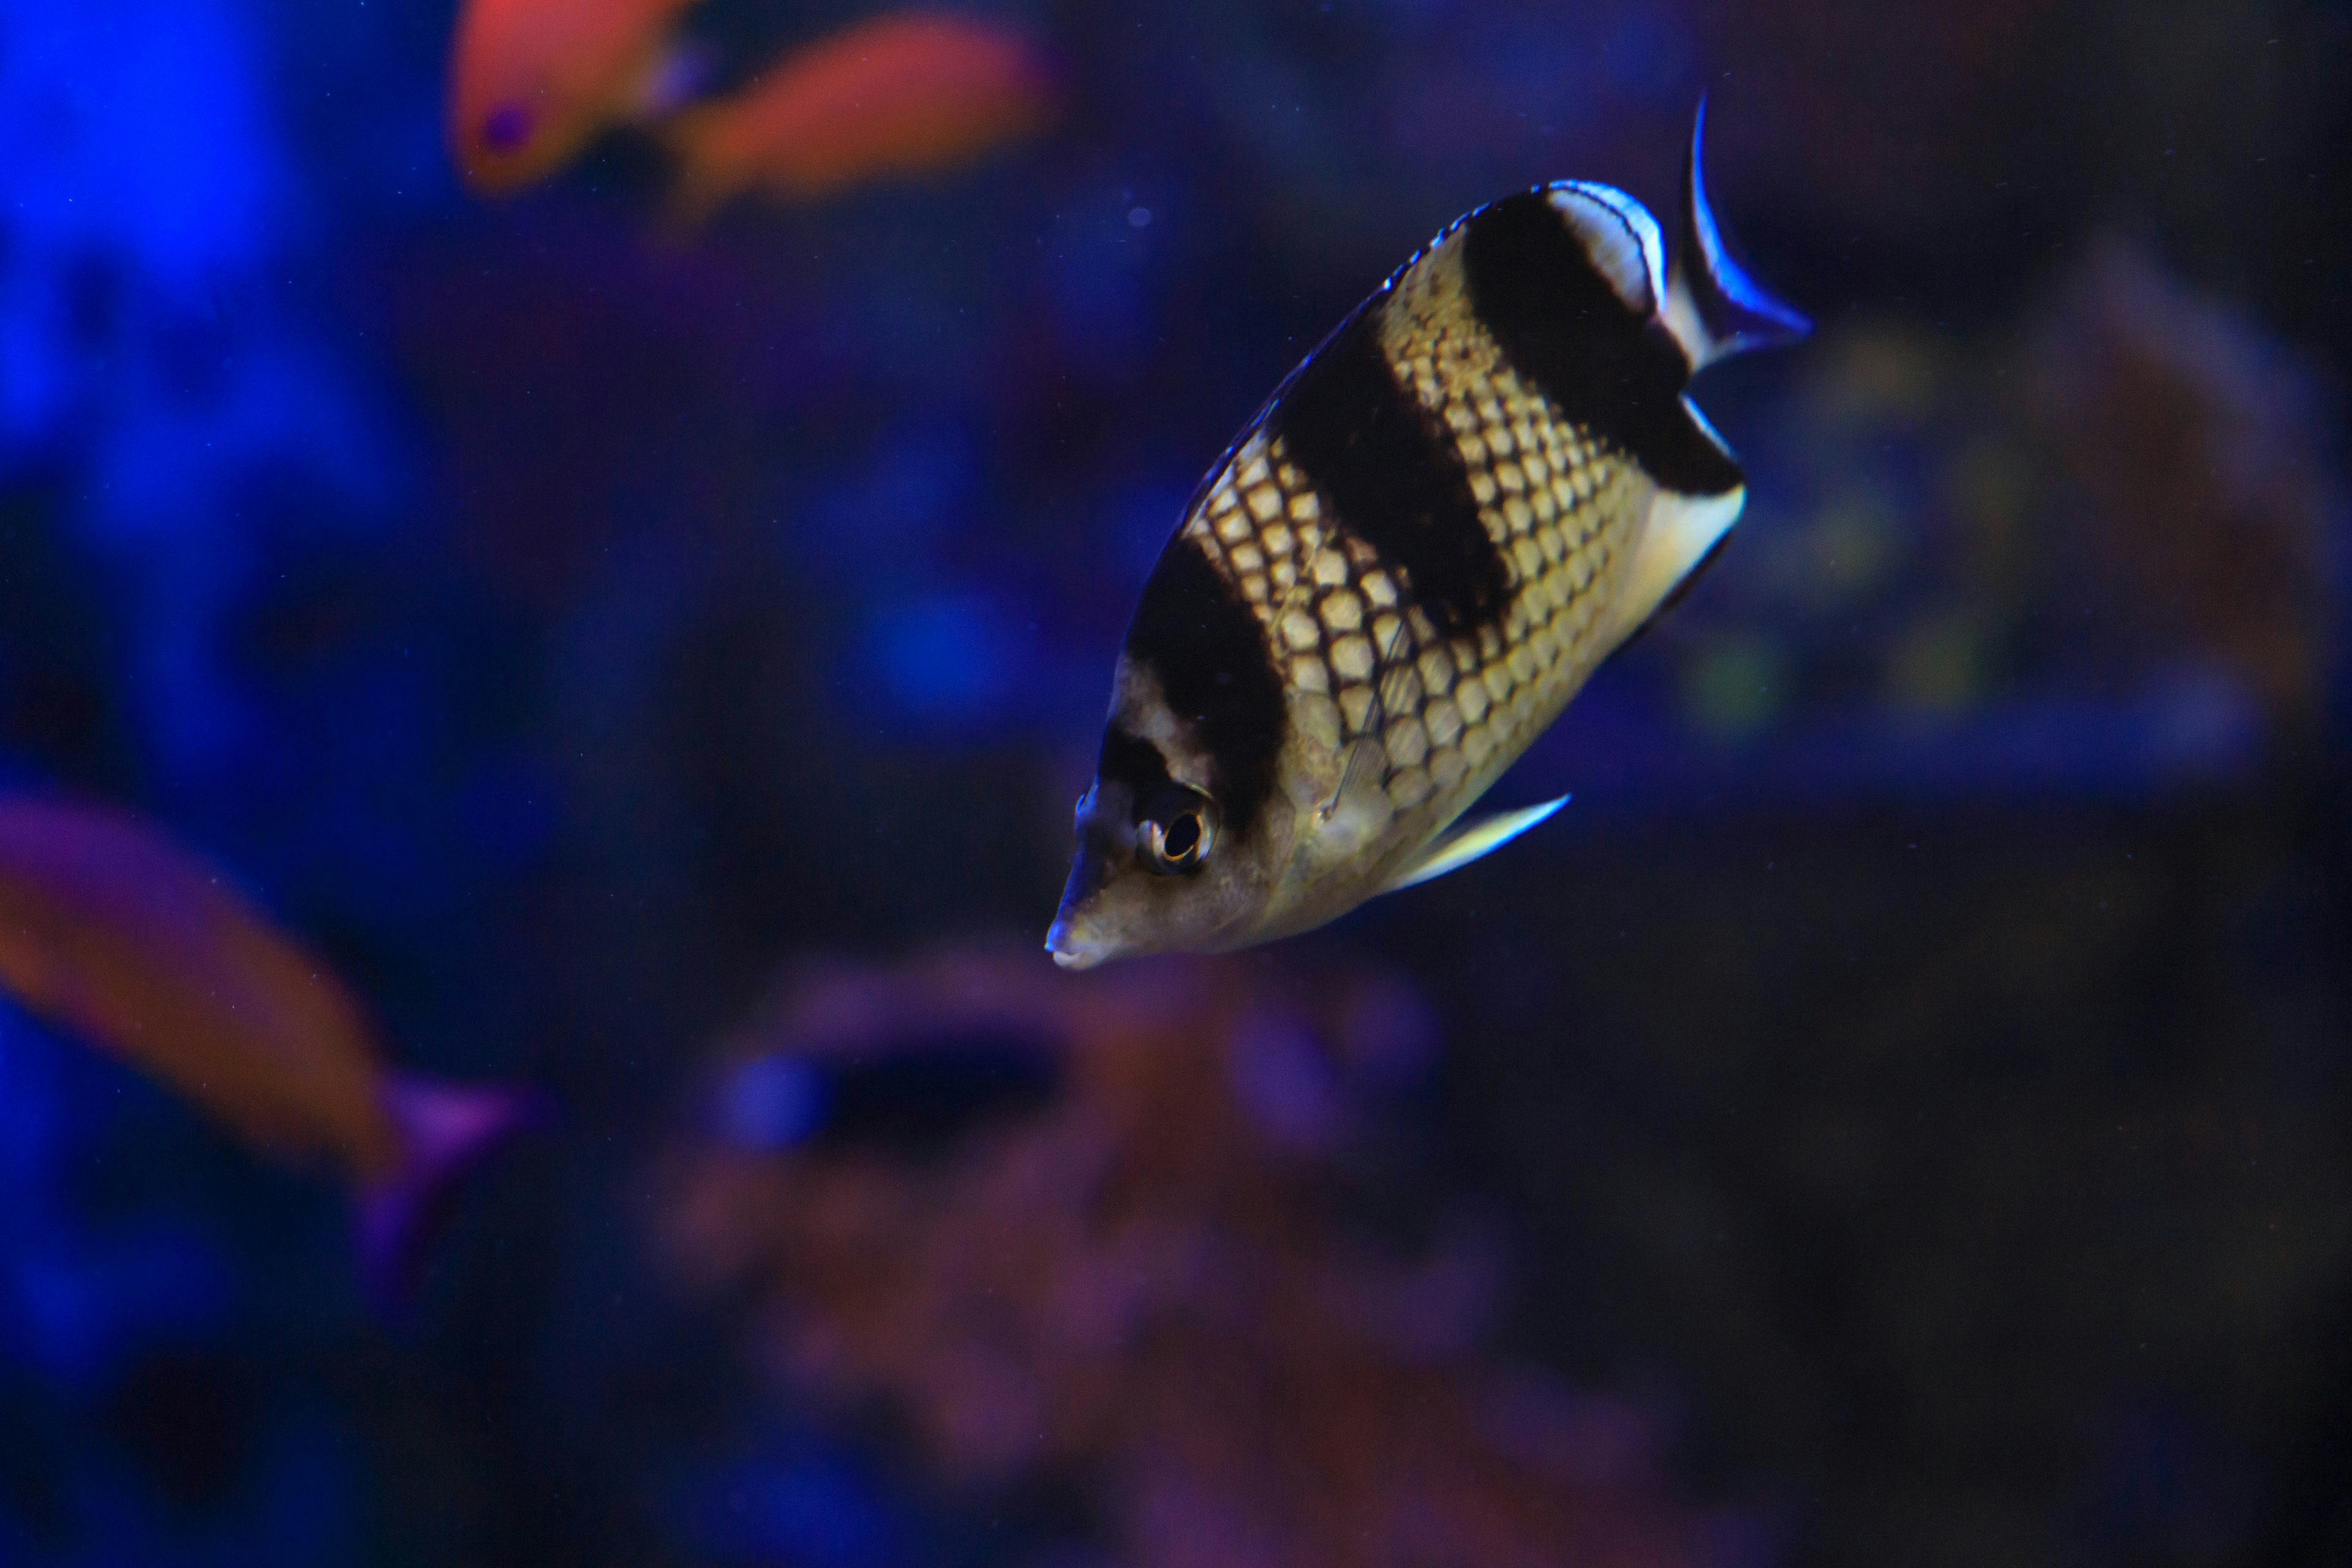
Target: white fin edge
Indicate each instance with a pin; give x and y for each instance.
(1607, 242)
(1682, 530)
(1472, 840)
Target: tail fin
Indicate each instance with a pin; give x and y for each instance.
(673, 78)
(1712, 307)
(446, 1131)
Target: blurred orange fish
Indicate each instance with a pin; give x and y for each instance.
(109, 931)
(532, 82)
(914, 93)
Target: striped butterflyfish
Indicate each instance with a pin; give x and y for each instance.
(1480, 484)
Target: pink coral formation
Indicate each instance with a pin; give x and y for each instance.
(1149, 1282)
(2195, 439)
(2131, 503)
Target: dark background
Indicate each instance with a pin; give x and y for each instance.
(1918, 1059)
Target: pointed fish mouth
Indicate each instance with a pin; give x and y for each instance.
(1076, 938)
(1071, 955)
(1069, 952)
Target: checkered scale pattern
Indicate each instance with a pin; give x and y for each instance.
(1453, 712)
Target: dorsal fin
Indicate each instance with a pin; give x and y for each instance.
(1620, 238)
(1712, 307)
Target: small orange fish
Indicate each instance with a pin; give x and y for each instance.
(109, 931)
(532, 82)
(908, 94)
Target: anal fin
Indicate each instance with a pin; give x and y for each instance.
(1470, 840)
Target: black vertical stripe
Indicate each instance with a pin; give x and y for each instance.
(1390, 472)
(1203, 642)
(1129, 759)
(1617, 372)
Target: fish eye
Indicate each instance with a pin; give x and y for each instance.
(1178, 830)
(507, 129)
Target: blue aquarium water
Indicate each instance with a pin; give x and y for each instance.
(583, 549)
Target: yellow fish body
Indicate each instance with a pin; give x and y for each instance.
(1478, 488)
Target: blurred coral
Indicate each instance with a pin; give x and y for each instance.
(2194, 445)
(2099, 547)
(1154, 1282)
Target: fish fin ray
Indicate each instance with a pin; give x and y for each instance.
(1714, 307)
(1470, 841)
(1366, 752)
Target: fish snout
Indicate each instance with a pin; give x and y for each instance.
(1081, 935)
(1071, 948)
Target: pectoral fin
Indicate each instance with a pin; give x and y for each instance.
(1470, 840)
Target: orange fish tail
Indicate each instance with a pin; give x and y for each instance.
(448, 1132)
